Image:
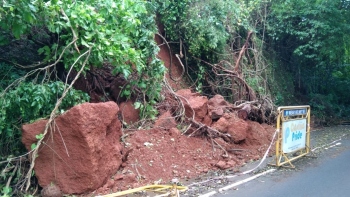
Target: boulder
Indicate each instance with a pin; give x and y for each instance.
(81, 150)
(216, 106)
(194, 103)
(229, 123)
(258, 134)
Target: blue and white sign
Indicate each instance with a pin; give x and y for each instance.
(294, 135)
(294, 112)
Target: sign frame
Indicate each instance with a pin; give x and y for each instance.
(293, 138)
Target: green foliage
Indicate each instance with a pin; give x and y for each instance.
(147, 110)
(326, 108)
(280, 83)
(315, 25)
(309, 37)
(6, 192)
(8, 74)
(19, 16)
(27, 103)
(210, 30)
(200, 77)
(203, 25)
(313, 30)
(120, 32)
(254, 82)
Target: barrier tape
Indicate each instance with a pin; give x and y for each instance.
(265, 155)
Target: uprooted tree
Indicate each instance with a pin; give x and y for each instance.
(224, 59)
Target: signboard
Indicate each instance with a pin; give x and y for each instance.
(294, 135)
(294, 112)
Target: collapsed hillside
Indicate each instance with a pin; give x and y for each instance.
(192, 135)
(83, 151)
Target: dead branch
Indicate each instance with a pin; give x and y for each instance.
(18, 81)
(75, 37)
(53, 115)
(244, 112)
(177, 97)
(235, 78)
(211, 132)
(12, 174)
(220, 70)
(222, 148)
(245, 46)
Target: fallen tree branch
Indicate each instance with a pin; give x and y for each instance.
(211, 132)
(75, 37)
(177, 97)
(220, 70)
(245, 46)
(53, 116)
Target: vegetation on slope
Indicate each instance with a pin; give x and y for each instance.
(288, 52)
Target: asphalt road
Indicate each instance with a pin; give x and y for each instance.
(327, 175)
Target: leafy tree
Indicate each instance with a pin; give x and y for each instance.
(118, 32)
(311, 38)
(211, 31)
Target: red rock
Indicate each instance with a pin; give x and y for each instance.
(207, 120)
(216, 106)
(118, 177)
(257, 134)
(129, 113)
(222, 165)
(81, 151)
(51, 191)
(186, 93)
(216, 113)
(231, 163)
(130, 176)
(218, 100)
(194, 103)
(165, 121)
(110, 183)
(231, 124)
(174, 132)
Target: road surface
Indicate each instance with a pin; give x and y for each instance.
(326, 175)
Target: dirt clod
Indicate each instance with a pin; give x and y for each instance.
(51, 191)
